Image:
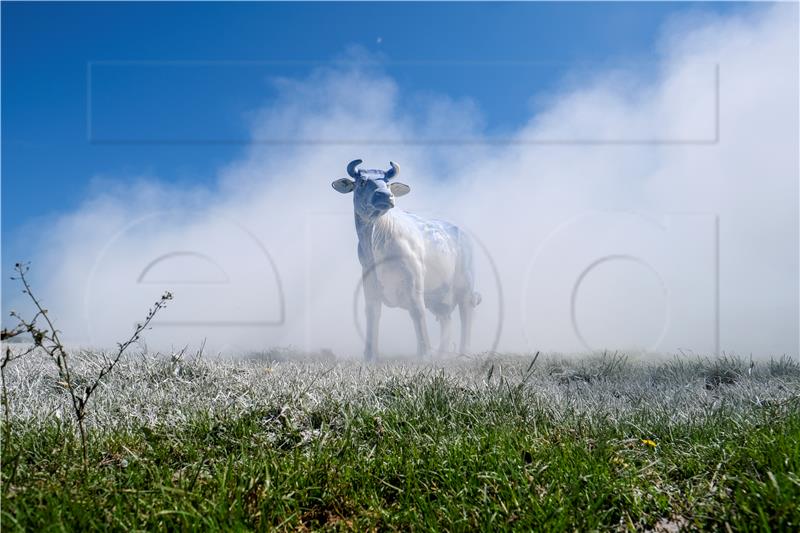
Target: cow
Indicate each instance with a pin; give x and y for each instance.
(408, 261)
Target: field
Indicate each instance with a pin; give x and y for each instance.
(282, 441)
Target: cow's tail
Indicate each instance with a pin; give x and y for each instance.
(476, 299)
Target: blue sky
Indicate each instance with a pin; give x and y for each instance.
(49, 163)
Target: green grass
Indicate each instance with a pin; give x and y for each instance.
(419, 451)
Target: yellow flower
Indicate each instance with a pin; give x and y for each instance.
(649, 442)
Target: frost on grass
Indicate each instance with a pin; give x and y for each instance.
(310, 391)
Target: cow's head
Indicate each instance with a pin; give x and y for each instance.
(373, 194)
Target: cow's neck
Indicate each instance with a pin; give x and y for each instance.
(371, 232)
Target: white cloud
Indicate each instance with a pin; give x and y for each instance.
(530, 205)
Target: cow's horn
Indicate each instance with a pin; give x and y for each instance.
(351, 168)
(392, 172)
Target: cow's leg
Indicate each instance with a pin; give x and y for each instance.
(417, 312)
(465, 310)
(373, 322)
(373, 312)
(444, 339)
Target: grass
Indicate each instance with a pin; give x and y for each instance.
(491, 443)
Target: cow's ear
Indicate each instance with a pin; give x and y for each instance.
(344, 185)
(399, 189)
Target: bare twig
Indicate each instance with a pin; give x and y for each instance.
(47, 338)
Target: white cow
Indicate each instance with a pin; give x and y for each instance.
(408, 261)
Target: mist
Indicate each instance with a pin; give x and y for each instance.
(652, 212)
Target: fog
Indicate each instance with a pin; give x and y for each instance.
(651, 211)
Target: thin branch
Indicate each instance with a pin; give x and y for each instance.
(48, 339)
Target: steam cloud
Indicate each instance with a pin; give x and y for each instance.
(647, 245)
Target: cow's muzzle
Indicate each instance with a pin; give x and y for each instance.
(382, 200)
